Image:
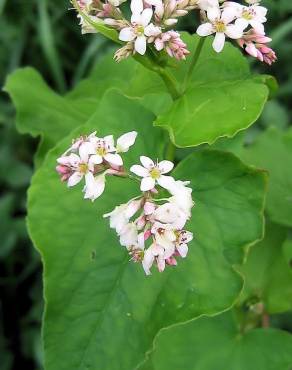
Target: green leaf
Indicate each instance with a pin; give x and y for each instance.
(40, 111)
(216, 343)
(268, 278)
(223, 98)
(273, 152)
(106, 295)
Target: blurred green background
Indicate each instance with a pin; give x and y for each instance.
(45, 34)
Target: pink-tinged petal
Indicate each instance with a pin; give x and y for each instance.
(95, 159)
(65, 160)
(205, 29)
(213, 13)
(258, 27)
(110, 143)
(252, 50)
(147, 162)
(140, 44)
(125, 141)
(241, 23)
(114, 159)
(139, 170)
(149, 208)
(165, 166)
(183, 250)
(146, 16)
(147, 184)
(152, 30)
(137, 6)
(127, 34)
(233, 32)
(218, 43)
(136, 18)
(228, 14)
(166, 182)
(160, 263)
(159, 45)
(74, 179)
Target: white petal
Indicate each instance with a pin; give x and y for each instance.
(140, 44)
(114, 159)
(139, 170)
(136, 18)
(182, 250)
(213, 13)
(95, 159)
(94, 188)
(127, 34)
(147, 162)
(74, 179)
(147, 261)
(110, 143)
(241, 23)
(259, 27)
(165, 166)
(146, 16)
(233, 32)
(85, 150)
(137, 6)
(205, 29)
(218, 43)
(228, 14)
(147, 183)
(152, 30)
(166, 181)
(125, 141)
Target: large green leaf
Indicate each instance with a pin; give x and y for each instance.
(217, 343)
(273, 152)
(222, 99)
(102, 312)
(268, 278)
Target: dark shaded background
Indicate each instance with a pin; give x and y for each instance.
(45, 34)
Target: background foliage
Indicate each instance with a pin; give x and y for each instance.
(45, 35)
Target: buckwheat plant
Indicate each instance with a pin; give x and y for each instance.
(157, 233)
(152, 22)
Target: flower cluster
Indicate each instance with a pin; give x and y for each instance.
(156, 235)
(152, 21)
(92, 158)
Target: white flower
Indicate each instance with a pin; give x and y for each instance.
(153, 173)
(103, 149)
(79, 165)
(94, 186)
(182, 196)
(154, 252)
(121, 215)
(182, 241)
(140, 28)
(168, 216)
(220, 25)
(116, 3)
(254, 16)
(129, 235)
(125, 141)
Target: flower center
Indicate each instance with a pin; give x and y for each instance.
(155, 173)
(101, 151)
(220, 26)
(83, 167)
(139, 30)
(248, 14)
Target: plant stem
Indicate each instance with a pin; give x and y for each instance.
(193, 62)
(170, 83)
